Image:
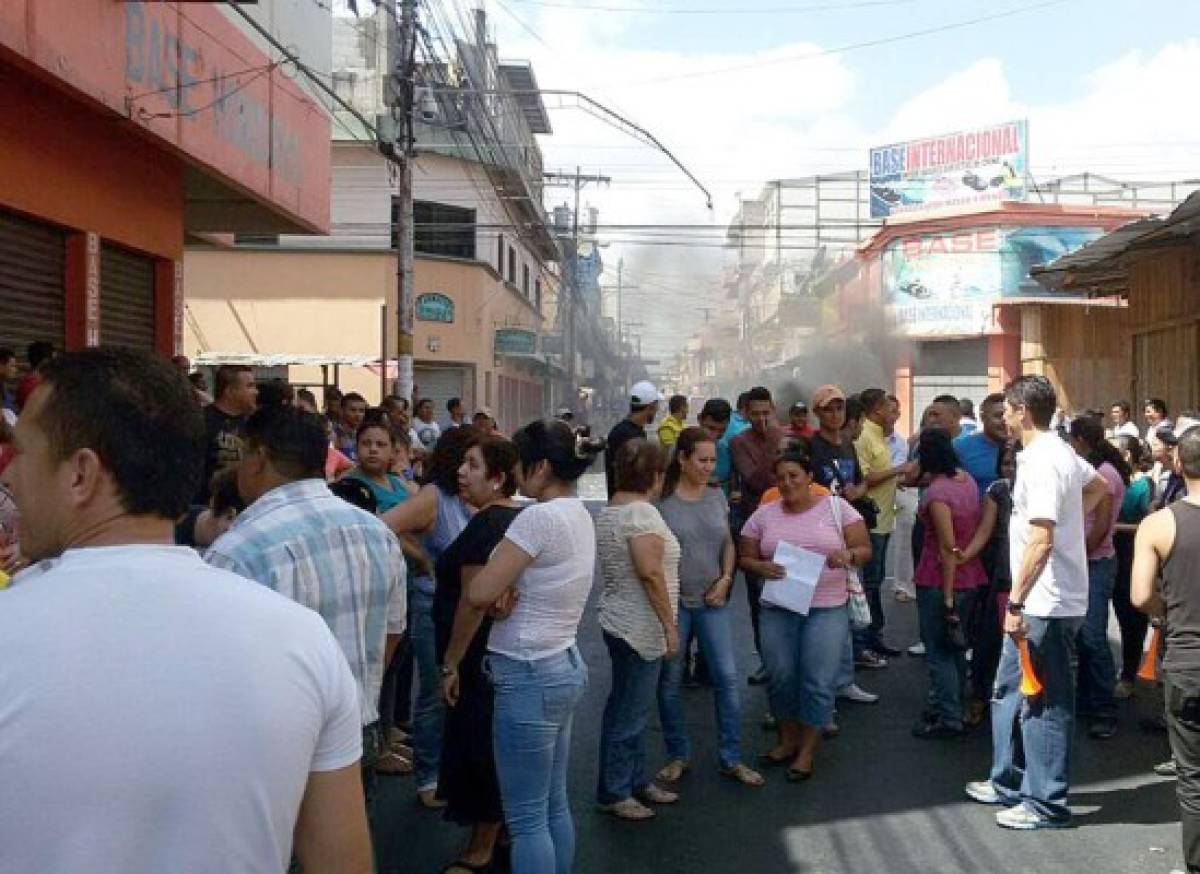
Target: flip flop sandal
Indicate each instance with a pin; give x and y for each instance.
(629, 809)
(673, 771)
(393, 764)
(770, 760)
(744, 774)
(798, 775)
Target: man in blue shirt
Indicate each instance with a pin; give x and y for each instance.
(737, 424)
(979, 452)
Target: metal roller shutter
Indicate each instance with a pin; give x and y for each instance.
(439, 384)
(32, 262)
(126, 299)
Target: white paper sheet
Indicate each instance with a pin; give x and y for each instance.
(803, 569)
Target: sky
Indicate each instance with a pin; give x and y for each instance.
(745, 91)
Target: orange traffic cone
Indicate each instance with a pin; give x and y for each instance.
(1149, 667)
(1031, 687)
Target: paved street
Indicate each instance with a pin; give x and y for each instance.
(880, 801)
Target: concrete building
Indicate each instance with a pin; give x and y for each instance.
(486, 271)
(128, 126)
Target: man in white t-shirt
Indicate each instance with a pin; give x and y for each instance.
(223, 720)
(1055, 490)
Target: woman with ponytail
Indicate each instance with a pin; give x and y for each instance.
(539, 578)
(1097, 678)
(698, 516)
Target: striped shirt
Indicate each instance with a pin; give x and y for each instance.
(344, 563)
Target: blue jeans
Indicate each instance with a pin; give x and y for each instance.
(429, 715)
(947, 666)
(531, 734)
(711, 628)
(1037, 769)
(623, 729)
(1097, 669)
(803, 657)
(873, 574)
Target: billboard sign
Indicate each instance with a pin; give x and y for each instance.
(988, 164)
(944, 285)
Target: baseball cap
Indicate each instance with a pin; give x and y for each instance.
(643, 394)
(799, 407)
(825, 394)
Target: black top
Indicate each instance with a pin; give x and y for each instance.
(621, 433)
(222, 446)
(834, 463)
(473, 546)
(1181, 590)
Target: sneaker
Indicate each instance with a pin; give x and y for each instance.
(656, 795)
(1167, 769)
(904, 597)
(857, 694)
(758, 678)
(1103, 729)
(1025, 818)
(883, 649)
(984, 792)
(869, 659)
(917, 650)
(1124, 691)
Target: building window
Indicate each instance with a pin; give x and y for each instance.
(512, 265)
(343, 84)
(439, 229)
(500, 254)
(537, 294)
(525, 280)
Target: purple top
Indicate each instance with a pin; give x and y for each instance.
(1116, 491)
(962, 497)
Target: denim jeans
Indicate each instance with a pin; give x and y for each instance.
(1181, 693)
(429, 715)
(1097, 669)
(873, 574)
(846, 667)
(711, 627)
(947, 666)
(531, 734)
(623, 729)
(1034, 765)
(803, 657)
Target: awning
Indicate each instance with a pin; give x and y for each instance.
(284, 359)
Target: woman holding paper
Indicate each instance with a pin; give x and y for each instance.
(946, 584)
(698, 516)
(802, 649)
(639, 564)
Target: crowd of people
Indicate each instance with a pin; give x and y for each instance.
(265, 607)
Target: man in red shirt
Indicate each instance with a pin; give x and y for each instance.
(798, 427)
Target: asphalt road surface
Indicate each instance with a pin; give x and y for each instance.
(880, 801)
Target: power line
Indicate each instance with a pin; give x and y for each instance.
(729, 10)
(873, 43)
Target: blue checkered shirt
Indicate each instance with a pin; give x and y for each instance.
(305, 543)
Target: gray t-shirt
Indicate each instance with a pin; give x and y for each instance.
(701, 528)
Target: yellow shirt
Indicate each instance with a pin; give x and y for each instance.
(873, 457)
(669, 430)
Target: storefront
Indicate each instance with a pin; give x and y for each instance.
(107, 164)
(949, 298)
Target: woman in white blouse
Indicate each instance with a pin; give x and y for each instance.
(639, 563)
(538, 579)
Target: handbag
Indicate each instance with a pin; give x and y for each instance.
(856, 600)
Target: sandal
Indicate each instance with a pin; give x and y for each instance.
(771, 759)
(393, 764)
(656, 795)
(744, 774)
(629, 809)
(672, 771)
(798, 775)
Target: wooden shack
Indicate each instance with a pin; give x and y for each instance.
(1154, 265)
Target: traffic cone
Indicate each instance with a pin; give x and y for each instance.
(1149, 668)
(1031, 687)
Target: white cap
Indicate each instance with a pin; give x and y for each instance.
(643, 394)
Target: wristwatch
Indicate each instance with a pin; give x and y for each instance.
(1015, 608)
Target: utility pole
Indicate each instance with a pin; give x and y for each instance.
(402, 53)
(572, 298)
